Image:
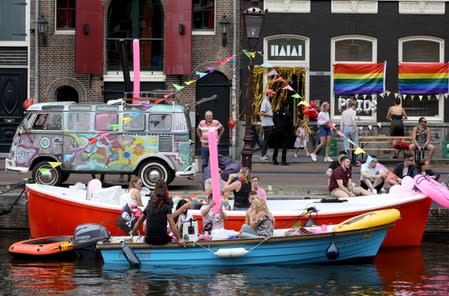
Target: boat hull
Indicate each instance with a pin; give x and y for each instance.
(408, 231)
(49, 214)
(58, 211)
(275, 250)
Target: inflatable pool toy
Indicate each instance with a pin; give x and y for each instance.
(370, 219)
(437, 191)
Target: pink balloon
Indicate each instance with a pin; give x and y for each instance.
(407, 183)
(136, 64)
(213, 163)
(396, 189)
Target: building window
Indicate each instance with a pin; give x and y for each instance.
(354, 50)
(129, 20)
(203, 13)
(65, 15)
(422, 50)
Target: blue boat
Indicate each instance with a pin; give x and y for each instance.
(356, 238)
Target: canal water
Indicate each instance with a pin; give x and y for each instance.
(409, 271)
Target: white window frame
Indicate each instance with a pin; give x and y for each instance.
(58, 31)
(334, 40)
(401, 41)
(204, 31)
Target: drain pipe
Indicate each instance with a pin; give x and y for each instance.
(234, 79)
(36, 52)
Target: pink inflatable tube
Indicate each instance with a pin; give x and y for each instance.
(438, 192)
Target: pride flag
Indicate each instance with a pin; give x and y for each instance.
(359, 78)
(423, 79)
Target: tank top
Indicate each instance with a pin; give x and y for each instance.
(241, 198)
(421, 135)
(126, 199)
(156, 230)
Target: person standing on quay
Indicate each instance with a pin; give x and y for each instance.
(348, 125)
(202, 131)
(396, 114)
(325, 132)
(266, 117)
(282, 132)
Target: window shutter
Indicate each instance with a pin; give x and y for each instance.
(89, 37)
(178, 38)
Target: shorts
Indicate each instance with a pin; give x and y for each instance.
(325, 131)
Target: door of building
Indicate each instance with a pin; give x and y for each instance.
(13, 92)
(215, 83)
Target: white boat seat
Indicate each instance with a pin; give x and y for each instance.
(110, 195)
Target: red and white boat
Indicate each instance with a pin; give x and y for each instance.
(57, 211)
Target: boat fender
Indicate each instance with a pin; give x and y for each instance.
(129, 254)
(231, 252)
(332, 251)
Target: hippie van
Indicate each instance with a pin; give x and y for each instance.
(59, 138)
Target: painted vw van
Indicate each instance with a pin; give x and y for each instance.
(59, 138)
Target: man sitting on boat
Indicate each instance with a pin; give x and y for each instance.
(340, 182)
(158, 213)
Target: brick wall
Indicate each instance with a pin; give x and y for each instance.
(57, 59)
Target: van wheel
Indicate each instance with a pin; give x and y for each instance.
(152, 171)
(44, 173)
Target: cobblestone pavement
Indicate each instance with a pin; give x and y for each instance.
(301, 177)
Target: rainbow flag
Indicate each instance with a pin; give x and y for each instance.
(423, 79)
(359, 78)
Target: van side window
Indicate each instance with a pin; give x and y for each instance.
(104, 121)
(49, 121)
(78, 121)
(160, 122)
(135, 121)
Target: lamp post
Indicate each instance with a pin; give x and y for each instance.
(253, 18)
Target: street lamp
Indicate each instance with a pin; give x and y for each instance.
(224, 23)
(42, 28)
(253, 18)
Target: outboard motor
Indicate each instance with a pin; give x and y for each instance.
(86, 237)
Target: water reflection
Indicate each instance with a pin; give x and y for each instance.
(48, 278)
(410, 271)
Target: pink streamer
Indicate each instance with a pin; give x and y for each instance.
(213, 163)
(136, 59)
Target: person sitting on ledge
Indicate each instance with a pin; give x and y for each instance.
(423, 168)
(340, 182)
(372, 177)
(421, 138)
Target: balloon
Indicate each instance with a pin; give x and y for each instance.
(213, 163)
(407, 183)
(231, 123)
(396, 189)
(313, 105)
(27, 103)
(313, 115)
(136, 61)
(306, 111)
